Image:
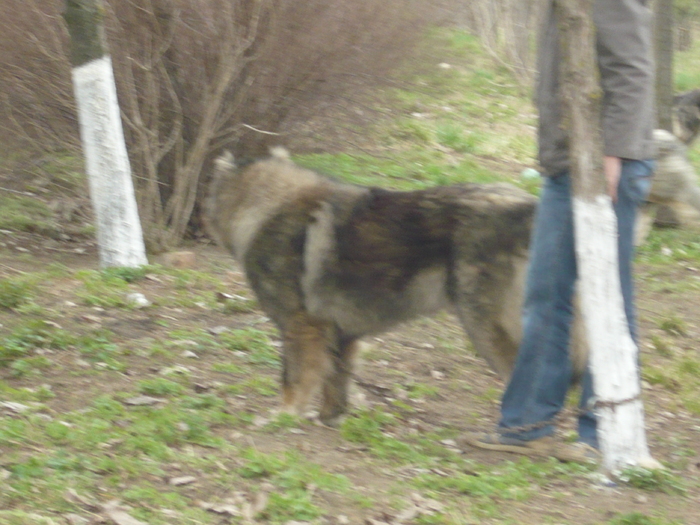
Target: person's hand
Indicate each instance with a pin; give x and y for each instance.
(612, 167)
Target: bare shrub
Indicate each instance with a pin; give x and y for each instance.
(506, 28)
(35, 78)
(195, 76)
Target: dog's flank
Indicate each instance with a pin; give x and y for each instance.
(333, 262)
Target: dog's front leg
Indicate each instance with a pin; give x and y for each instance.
(306, 361)
(337, 383)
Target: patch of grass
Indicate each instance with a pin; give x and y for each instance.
(254, 344)
(488, 486)
(637, 518)
(198, 339)
(98, 347)
(65, 172)
(39, 394)
(654, 480)
(261, 385)
(228, 368)
(661, 376)
(154, 431)
(453, 135)
(292, 477)
(664, 245)
(100, 289)
(660, 346)
(127, 274)
(673, 325)
(160, 387)
(372, 428)
(29, 366)
(421, 390)
(283, 421)
(687, 68)
(239, 305)
(413, 130)
(19, 517)
(26, 214)
(189, 280)
(27, 337)
(14, 293)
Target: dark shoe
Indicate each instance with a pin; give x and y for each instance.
(543, 447)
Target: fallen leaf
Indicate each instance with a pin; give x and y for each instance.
(143, 400)
(182, 480)
(74, 519)
(119, 516)
(220, 508)
(17, 408)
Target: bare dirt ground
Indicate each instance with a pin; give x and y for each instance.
(431, 353)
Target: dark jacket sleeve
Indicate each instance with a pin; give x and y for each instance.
(624, 45)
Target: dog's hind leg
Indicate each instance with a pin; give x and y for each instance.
(306, 362)
(337, 383)
(488, 302)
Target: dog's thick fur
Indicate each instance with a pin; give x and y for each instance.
(332, 262)
(674, 199)
(686, 116)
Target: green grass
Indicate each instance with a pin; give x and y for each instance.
(292, 476)
(254, 344)
(687, 68)
(14, 293)
(160, 387)
(637, 518)
(32, 334)
(25, 214)
(654, 480)
(670, 245)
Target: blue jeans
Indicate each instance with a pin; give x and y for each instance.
(543, 372)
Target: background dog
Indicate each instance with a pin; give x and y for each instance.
(686, 116)
(674, 198)
(333, 262)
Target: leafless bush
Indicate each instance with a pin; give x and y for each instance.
(195, 76)
(507, 29)
(35, 82)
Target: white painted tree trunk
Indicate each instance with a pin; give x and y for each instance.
(613, 353)
(119, 235)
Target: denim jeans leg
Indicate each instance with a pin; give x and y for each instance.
(542, 374)
(635, 182)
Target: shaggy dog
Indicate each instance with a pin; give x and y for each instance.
(333, 262)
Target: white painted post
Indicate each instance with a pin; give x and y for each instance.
(119, 235)
(613, 353)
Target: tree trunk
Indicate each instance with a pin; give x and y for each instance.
(119, 235)
(663, 44)
(613, 354)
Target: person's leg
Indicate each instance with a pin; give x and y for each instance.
(635, 182)
(540, 380)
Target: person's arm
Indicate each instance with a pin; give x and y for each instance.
(612, 167)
